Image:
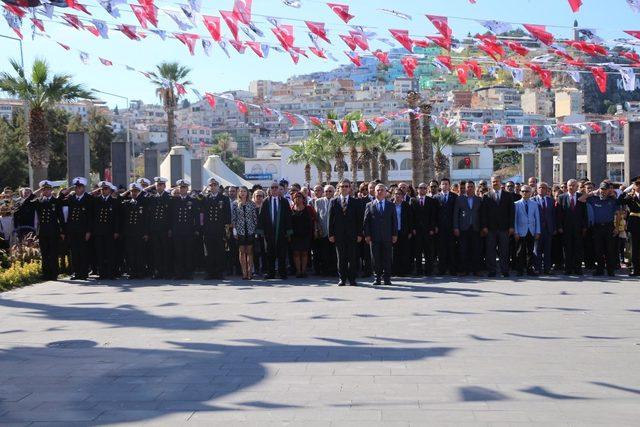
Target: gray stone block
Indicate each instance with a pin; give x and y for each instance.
(631, 150)
(78, 157)
(176, 167)
(597, 157)
(196, 174)
(545, 164)
(151, 163)
(528, 166)
(568, 160)
(120, 163)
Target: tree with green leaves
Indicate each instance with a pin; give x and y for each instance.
(386, 144)
(413, 99)
(442, 137)
(57, 122)
(165, 77)
(303, 154)
(42, 91)
(224, 141)
(13, 152)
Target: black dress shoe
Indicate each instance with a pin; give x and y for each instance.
(388, 283)
(353, 283)
(341, 283)
(376, 283)
(611, 273)
(283, 277)
(506, 274)
(548, 273)
(269, 277)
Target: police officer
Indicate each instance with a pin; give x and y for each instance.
(632, 200)
(184, 211)
(49, 229)
(604, 203)
(158, 209)
(106, 220)
(216, 210)
(135, 231)
(78, 227)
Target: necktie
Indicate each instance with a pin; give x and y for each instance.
(572, 203)
(421, 201)
(275, 210)
(381, 207)
(526, 208)
(498, 197)
(446, 198)
(344, 204)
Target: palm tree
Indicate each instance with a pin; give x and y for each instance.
(333, 141)
(427, 146)
(224, 141)
(320, 157)
(442, 138)
(166, 76)
(354, 141)
(302, 154)
(413, 99)
(387, 144)
(42, 91)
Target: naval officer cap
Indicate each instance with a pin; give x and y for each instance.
(213, 181)
(79, 181)
(144, 182)
(135, 186)
(604, 185)
(45, 183)
(160, 180)
(105, 184)
(183, 183)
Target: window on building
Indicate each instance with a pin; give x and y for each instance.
(405, 165)
(467, 161)
(392, 165)
(344, 165)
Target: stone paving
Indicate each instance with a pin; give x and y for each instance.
(553, 351)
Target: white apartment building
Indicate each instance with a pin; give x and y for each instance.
(537, 101)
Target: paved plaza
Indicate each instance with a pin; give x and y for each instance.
(552, 351)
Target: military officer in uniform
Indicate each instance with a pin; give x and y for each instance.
(184, 212)
(158, 209)
(216, 210)
(78, 227)
(105, 229)
(135, 231)
(632, 200)
(49, 229)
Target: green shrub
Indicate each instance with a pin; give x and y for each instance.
(20, 274)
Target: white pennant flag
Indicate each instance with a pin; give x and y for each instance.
(273, 21)
(195, 5)
(188, 12)
(628, 78)
(634, 5)
(248, 33)
(354, 126)
(206, 46)
(496, 27)
(292, 3)
(196, 92)
(520, 131)
(102, 28)
(575, 75)
(265, 49)
(550, 130)
(517, 74)
(497, 130)
(48, 10)
(373, 124)
(223, 45)
(84, 57)
(256, 30)
(160, 33)
(177, 17)
(304, 121)
(111, 6)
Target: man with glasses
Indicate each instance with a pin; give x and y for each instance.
(572, 224)
(466, 226)
(345, 231)
(381, 233)
(274, 223)
(527, 231)
(425, 215)
(324, 255)
(497, 216)
(444, 229)
(160, 228)
(542, 249)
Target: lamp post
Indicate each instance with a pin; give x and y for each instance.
(127, 124)
(25, 107)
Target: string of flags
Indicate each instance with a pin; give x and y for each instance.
(446, 119)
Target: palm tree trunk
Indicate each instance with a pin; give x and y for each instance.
(329, 172)
(353, 163)
(427, 145)
(441, 166)
(340, 164)
(366, 164)
(416, 150)
(38, 145)
(171, 131)
(375, 167)
(307, 173)
(384, 169)
(320, 175)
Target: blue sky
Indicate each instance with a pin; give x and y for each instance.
(218, 73)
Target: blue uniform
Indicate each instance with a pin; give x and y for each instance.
(604, 211)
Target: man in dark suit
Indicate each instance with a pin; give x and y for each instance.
(216, 210)
(425, 214)
(542, 249)
(364, 252)
(572, 223)
(78, 227)
(345, 231)
(444, 229)
(185, 219)
(50, 230)
(402, 248)
(274, 223)
(105, 229)
(466, 226)
(381, 233)
(496, 217)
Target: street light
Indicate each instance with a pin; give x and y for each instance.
(129, 143)
(25, 108)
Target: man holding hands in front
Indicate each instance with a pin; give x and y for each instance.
(381, 232)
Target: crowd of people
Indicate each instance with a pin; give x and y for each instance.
(352, 231)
